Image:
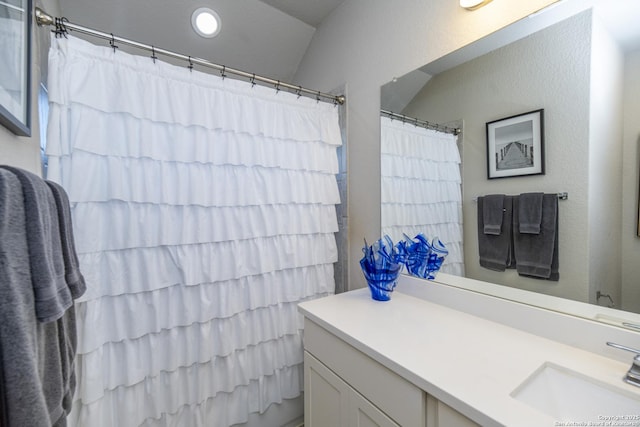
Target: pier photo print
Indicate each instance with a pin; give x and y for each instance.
(515, 145)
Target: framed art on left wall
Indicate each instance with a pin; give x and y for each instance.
(15, 66)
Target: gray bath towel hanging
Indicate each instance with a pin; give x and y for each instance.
(537, 254)
(496, 250)
(73, 276)
(23, 398)
(52, 295)
(36, 357)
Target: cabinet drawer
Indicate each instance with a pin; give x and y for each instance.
(395, 396)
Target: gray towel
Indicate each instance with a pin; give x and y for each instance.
(24, 400)
(537, 254)
(57, 350)
(496, 250)
(530, 213)
(493, 213)
(73, 276)
(36, 358)
(52, 295)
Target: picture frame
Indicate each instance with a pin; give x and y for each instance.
(15, 65)
(515, 145)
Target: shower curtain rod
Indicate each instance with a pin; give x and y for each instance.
(420, 123)
(62, 24)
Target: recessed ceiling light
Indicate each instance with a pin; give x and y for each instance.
(205, 22)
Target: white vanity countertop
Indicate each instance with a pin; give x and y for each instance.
(469, 363)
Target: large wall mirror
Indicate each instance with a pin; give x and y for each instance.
(579, 62)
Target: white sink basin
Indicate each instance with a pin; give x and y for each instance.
(569, 396)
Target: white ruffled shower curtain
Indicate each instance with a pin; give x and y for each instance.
(421, 187)
(204, 211)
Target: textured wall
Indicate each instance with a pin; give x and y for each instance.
(605, 166)
(631, 164)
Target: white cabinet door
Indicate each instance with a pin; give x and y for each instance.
(396, 397)
(365, 414)
(331, 402)
(326, 396)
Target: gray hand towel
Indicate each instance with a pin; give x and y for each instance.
(493, 213)
(51, 293)
(530, 212)
(496, 250)
(537, 254)
(73, 276)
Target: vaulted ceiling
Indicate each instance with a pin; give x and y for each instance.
(267, 37)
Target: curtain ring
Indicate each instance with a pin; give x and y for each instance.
(278, 86)
(318, 97)
(61, 29)
(153, 54)
(65, 30)
(57, 31)
(112, 43)
(190, 66)
(222, 72)
(299, 91)
(253, 80)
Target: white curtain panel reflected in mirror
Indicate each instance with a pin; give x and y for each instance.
(421, 187)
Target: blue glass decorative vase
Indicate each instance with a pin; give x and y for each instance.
(436, 258)
(423, 258)
(381, 266)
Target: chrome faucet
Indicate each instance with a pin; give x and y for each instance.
(633, 375)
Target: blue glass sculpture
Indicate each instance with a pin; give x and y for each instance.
(417, 255)
(381, 266)
(436, 257)
(423, 258)
(382, 262)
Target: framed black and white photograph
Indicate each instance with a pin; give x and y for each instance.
(515, 145)
(15, 70)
